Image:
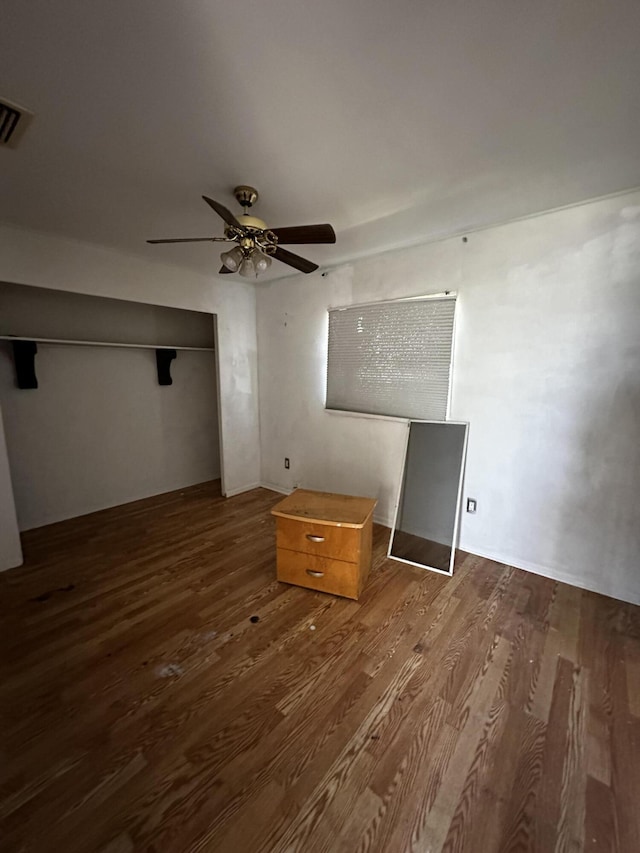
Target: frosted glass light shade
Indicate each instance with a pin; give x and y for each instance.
(232, 259)
(248, 268)
(262, 262)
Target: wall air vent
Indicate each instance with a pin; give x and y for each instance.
(13, 123)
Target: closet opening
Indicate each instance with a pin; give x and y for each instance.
(104, 401)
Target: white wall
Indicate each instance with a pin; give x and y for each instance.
(40, 312)
(547, 372)
(28, 257)
(10, 548)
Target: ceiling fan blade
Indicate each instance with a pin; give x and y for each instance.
(294, 260)
(186, 240)
(305, 234)
(224, 271)
(222, 211)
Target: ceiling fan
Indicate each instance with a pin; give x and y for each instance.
(256, 244)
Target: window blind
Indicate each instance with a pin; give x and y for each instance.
(391, 358)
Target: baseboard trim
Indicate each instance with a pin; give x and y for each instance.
(230, 493)
(281, 490)
(555, 575)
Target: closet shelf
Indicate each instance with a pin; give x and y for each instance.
(25, 351)
(102, 344)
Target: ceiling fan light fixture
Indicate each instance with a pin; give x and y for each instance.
(261, 261)
(248, 268)
(255, 244)
(232, 259)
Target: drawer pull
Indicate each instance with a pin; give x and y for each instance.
(313, 538)
(315, 574)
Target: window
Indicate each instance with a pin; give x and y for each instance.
(392, 358)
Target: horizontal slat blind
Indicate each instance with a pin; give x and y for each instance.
(391, 358)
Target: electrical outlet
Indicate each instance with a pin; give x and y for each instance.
(472, 505)
(286, 462)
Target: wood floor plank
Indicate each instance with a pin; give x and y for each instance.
(632, 666)
(395, 778)
(144, 710)
(425, 821)
(573, 792)
(601, 831)
(625, 781)
(548, 816)
(522, 795)
(477, 799)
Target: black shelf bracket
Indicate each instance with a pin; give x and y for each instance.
(164, 357)
(24, 359)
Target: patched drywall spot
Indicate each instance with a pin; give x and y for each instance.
(168, 670)
(630, 212)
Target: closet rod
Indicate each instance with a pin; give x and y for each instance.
(101, 343)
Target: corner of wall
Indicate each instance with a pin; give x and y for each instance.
(10, 547)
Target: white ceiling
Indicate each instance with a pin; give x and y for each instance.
(395, 121)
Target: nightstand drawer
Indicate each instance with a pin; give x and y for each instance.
(320, 573)
(326, 540)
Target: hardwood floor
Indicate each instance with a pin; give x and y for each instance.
(143, 710)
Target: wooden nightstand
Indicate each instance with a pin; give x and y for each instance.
(323, 541)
